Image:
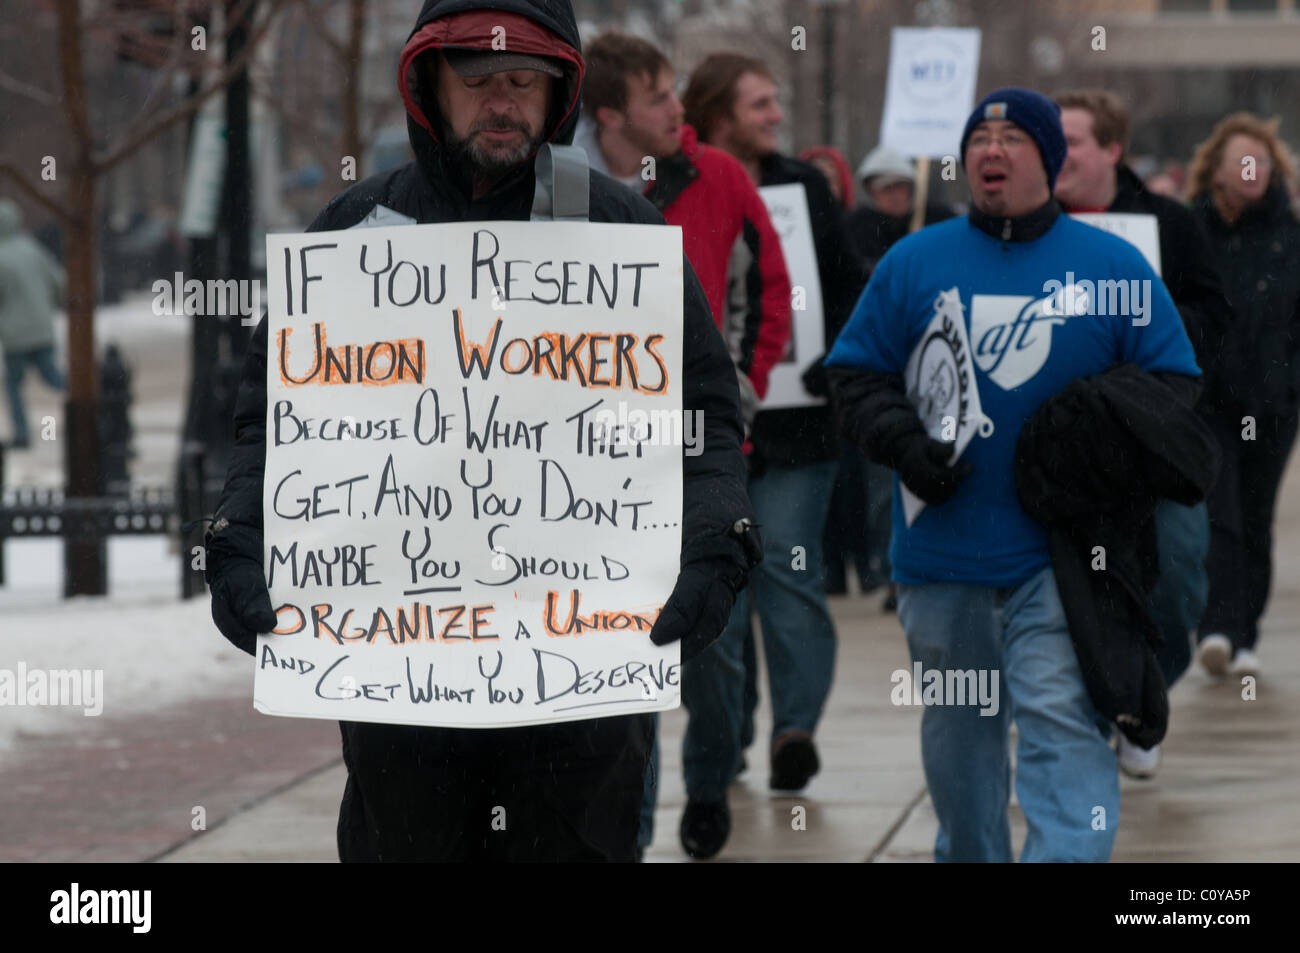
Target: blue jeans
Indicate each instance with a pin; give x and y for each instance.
(1178, 599)
(42, 358)
(790, 505)
(1065, 770)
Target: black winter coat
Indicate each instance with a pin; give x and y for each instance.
(871, 232)
(1090, 465)
(797, 435)
(1259, 259)
(1189, 272)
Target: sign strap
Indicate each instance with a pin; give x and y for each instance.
(562, 193)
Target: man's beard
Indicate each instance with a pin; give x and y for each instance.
(486, 162)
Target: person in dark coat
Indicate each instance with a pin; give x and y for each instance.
(731, 101)
(31, 290)
(1238, 186)
(476, 117)
(889, 179)
(1095, 178)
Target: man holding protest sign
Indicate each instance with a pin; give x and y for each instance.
(980, 591)
(1095, 178)
(484, 89)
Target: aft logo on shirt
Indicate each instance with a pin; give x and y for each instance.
(1012, 334)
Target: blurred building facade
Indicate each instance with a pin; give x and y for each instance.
(1179, 64)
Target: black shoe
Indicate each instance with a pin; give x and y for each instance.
(705, 826)
(794, 761)
(891, 600)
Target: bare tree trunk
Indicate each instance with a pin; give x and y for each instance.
(352, 144)
(84, 569)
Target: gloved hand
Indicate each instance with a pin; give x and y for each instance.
(698, 609)
(923, 467)
(815, 380)
(241, 605)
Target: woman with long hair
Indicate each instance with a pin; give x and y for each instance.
(1238, 186)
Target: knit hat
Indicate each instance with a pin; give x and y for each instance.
(886, 162)
(1034, 113)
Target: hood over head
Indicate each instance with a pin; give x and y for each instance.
(532, 28)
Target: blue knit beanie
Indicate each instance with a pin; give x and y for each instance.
(1032, 112)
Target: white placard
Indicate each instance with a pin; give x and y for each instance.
(788, 207)
(473, 489)
(1141, 231)
(930, 89)
(941, 385)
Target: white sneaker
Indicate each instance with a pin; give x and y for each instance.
(1245, 662)
(1214, 653)
(1138, 762)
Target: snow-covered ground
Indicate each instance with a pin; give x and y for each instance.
(153, 648)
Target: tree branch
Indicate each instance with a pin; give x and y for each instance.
(299, 123)
(31, 92)
(318, 27)
(133, 139)
(34, 192)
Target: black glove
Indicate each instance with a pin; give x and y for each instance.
(241, 605)
(923, 468)
(697, 611)
(814, 378)
(700, 604)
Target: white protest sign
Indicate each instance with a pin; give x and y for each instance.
(929, 90)
(1141, 231)
(788, 207)
(473, 489)
(941, 385)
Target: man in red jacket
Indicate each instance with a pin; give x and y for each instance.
(634, 130)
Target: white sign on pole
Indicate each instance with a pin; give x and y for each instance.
(941, 385)
(930, 89)
(473, 488)
(788, 207)
(1142, 231)
(206, 170)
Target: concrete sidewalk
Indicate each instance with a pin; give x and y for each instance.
(128, 789)
(1227, 790)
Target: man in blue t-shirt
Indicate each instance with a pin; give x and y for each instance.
(1043, 300)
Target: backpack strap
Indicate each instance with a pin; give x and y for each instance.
(563, 184)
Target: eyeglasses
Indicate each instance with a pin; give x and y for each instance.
(1010, 139)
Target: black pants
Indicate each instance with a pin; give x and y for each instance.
(1241, 506)
(567, 792)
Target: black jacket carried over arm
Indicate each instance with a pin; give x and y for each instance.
(796, 435)
(1190, 273)
(1090, 465)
